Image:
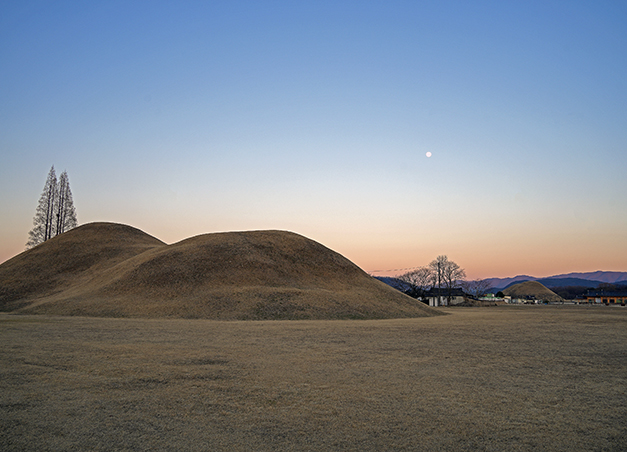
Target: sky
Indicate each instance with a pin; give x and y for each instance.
(190, 117)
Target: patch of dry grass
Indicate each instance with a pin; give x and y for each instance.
(487, 379)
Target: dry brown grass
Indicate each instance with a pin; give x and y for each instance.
(110, 270)
(487, 379)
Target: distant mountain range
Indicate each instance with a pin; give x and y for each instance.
(590, 279)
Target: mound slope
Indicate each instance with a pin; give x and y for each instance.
(68, 260)
(534, 289)
(105, 269)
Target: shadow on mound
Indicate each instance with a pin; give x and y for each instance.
(113, 270)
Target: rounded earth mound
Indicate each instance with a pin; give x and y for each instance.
(533, 289)
(67, 260)
(106, 269)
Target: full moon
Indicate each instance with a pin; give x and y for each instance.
(428, 154)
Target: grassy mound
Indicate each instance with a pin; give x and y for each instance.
(533, 289)
(105, 269)
(68, 260)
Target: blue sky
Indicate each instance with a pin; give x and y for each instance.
(182, 118)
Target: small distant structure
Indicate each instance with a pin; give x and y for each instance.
(446, 297)
(526, 300)
(606, 297)
(491, 299)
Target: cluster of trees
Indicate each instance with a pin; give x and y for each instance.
(441, 274)
(477, 288)
(55, 212)
(571, 292)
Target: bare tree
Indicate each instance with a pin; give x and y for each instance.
(55, 212)
(445, 274)
(477, 287)
(418, 281)
(453, 274)
(436, 267)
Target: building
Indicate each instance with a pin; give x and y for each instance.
(446, 297)
(607, 297)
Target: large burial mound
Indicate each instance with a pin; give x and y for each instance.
(532, 289)
(106, 269)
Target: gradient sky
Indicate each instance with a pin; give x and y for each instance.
(183, 118)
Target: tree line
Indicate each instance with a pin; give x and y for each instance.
(55, 213)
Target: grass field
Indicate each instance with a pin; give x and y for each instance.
(486, 379)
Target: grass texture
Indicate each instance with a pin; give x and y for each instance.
(529, 378)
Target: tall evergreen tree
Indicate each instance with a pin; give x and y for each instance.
(55, 212)
(65, 212)
(43, 220)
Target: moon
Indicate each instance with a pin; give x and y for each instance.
(428, 154)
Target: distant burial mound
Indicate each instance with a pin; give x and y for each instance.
(532, 289)
(106, 269)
